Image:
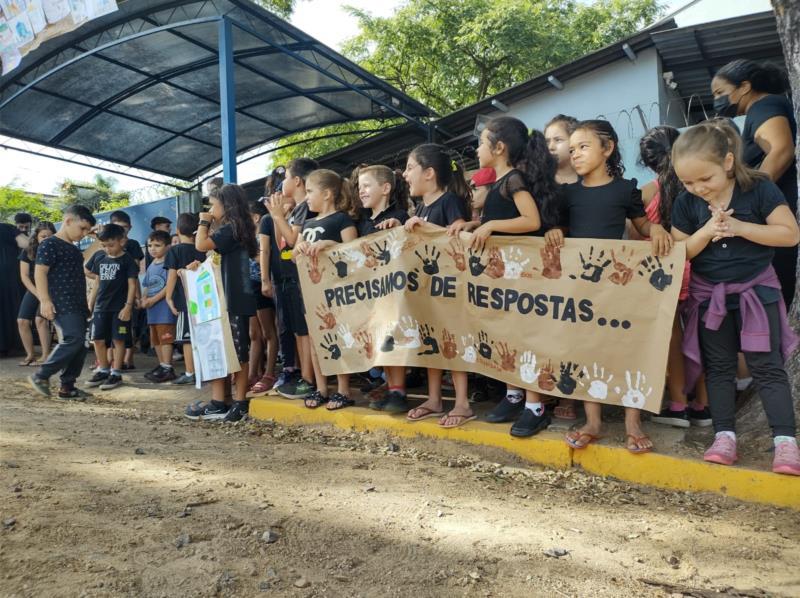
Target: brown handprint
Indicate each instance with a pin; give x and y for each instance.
(551, 262)
(457, 254)
(366, 340)
(546, 380)
(496, 267)
(623, 273)
(314, 271)
(449, 348)
(508, 359)
(372, 260)
(327, 317)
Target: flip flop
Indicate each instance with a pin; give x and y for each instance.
(28, 361)
(635, 449)
(428, 413)
(462, 419)
(568, 412)
(573, 442)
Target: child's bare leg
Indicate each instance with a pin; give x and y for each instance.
(101, 352)
(119, 354)
(637, 439)
(460, 383)
(675, 365)
(305, 353)
(164, 353)
(343, 384)
(266, 319)
(45, 339)
(188, 358)
(218, 390)
(241, 382)
(129, 356)
(26, 336)
(591, 429)
(701, 392)
(256, 348)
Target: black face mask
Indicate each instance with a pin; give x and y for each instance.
(723, 106)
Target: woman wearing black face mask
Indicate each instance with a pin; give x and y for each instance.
(758, 91)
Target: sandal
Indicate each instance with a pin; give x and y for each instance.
(427, 412)
(566, 410)
(261, 387)
(460, 419)
(339, 401)
(573, 439)
(27, 362)
(315, 399)
(637, 440)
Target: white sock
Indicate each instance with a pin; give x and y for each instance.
(188, 373)
(537, 408)
(779, 439)
(514, 396)
(728, 433)
(167, 366)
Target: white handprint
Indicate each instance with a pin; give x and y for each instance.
(395, 244)
(635, 396)
(410, 329)
(470, 353)
(598, 386)
(514, 263)
(355, 256)
(346, 336)
(527, 367)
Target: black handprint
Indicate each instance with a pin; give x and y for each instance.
(484, 348)
(339, 264)
(332, 347)
(382, 254)
(593, 267)
(476, 267)
(566, 383)
(659, 279)
(428, 340)
(388, 344)
(430, 261)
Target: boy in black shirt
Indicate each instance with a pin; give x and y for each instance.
(178, 257)
(62, 292)
(138, 320)
(111, 303)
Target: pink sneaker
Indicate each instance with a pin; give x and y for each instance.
(786, 459)
(723, 451)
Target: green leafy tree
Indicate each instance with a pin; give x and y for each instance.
(99, 195)
(14, 200)
(283, 8)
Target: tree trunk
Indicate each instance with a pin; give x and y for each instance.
(752, 421)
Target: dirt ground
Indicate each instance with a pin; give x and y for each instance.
(121, 496)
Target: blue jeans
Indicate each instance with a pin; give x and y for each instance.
(70, 354)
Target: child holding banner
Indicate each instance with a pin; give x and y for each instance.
(524, 195)
(596, 207)
(328, 195)
(731, 218)
(439, 180)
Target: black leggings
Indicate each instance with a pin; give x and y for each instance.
(720, 348)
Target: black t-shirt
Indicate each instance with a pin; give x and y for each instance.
(500, 204)
(239, 293)
(178, 257)
(66, 282)
(112, 275)
(600, 212)
(23, 257)
(443, 211)
(299, 214)
(327, 228)
(281, 266)
(733, 259)
(760, 112)
(133, 249)
(366, 223)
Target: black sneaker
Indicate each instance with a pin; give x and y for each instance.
(701, 419)
(668, 417)
(39, 385)
(127, 367)
(111, 382)
(237, 412)
(529, 424)
(152, 374)
(211, 411)
(505, 411)
(163, 375)
(72, 394)
(391, 402)
(97, 379)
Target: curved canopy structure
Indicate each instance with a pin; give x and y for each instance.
(176, 87)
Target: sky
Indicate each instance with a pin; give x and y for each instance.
(326, 21)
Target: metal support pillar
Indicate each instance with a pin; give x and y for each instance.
(227, 101)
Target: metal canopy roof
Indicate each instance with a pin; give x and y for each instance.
(141, 86)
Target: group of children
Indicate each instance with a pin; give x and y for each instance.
(567, 182)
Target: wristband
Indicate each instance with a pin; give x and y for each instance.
(204, 223)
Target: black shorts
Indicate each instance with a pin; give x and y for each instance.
(183, 333)
(291, 301)
(106, 326)
(240, 330)
(261, 301)
(29, 307)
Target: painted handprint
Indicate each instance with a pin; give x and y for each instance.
(337, 258)
(314, 271)
(430, 259)
(551, 261)
(449, 348)
(396, 245)
(456, 252)
(476, 265)
(514, 264)
(370, 261)
(355, 257)
(566, 381)
(388, 338)
(327, 317)
(659, 279)
(623, 273)
(428, 340)
(636, 394)
(410, 329)
(484, 345)
(367, 342)
(598, 383)
(496, 268)
(346, 336)
(546, 380)
(527, 367)
(470, 354)
(332, 346)
(382, 253)
(508, 358)
(593, 266)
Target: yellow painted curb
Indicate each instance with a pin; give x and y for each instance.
(549, 449)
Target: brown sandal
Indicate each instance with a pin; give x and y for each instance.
(573, 439)
(460, 419)
(637, 440)
(427, 413)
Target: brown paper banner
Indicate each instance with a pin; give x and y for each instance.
(590, 322)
